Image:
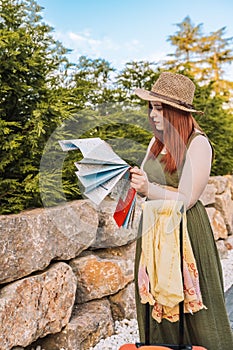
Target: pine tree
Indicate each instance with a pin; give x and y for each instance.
(186, 41)
(215, 52)
(203, 56)
(31, 102)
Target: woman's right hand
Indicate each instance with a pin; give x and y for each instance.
(139, 180)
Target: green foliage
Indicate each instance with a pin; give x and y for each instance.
(30, 108)
(135, 75)
(42, 101)
(92, 83)
(186, 40)
(203, 56)
(217, 123)
(126, 131)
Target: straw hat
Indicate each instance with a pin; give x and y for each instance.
(172, 89)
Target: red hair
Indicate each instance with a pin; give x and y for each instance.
(178, 126)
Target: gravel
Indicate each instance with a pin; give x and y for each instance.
(227, 267)
(126, 331)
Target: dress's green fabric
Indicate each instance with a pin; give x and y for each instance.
(209, 328)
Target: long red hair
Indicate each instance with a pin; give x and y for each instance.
(178, 126)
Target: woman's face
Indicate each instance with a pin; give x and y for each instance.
(156, 115)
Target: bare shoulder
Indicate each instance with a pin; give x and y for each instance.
(201, 145)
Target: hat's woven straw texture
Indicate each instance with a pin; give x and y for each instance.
(173, 89)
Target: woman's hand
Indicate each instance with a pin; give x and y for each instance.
(139, 180)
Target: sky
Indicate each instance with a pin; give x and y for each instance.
(121, 31)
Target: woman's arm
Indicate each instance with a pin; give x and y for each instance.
(194, 178)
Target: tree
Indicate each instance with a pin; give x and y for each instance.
(202, 56)
(216, 51)
(40, 98)
(186, 40)
(217, 124)
(31, 102)
(93, 85)
(135, 75)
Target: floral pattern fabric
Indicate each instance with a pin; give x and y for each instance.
(160, 279)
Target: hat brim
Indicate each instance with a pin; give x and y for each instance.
(148, 96)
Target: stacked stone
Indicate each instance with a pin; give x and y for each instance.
(66, 273)
(218, 200)
(66, 276)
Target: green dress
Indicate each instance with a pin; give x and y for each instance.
(209, 328)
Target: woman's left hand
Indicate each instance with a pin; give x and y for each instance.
(139, 180)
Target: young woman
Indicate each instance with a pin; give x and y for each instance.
(177, 167)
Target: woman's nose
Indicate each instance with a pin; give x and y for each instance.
(154, 113)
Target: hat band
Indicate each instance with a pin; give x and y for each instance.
(174, 100)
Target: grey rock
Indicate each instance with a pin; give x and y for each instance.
(29, 241)
(36, 306)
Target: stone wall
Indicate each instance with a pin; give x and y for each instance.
(66, 273)
(218, 200)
